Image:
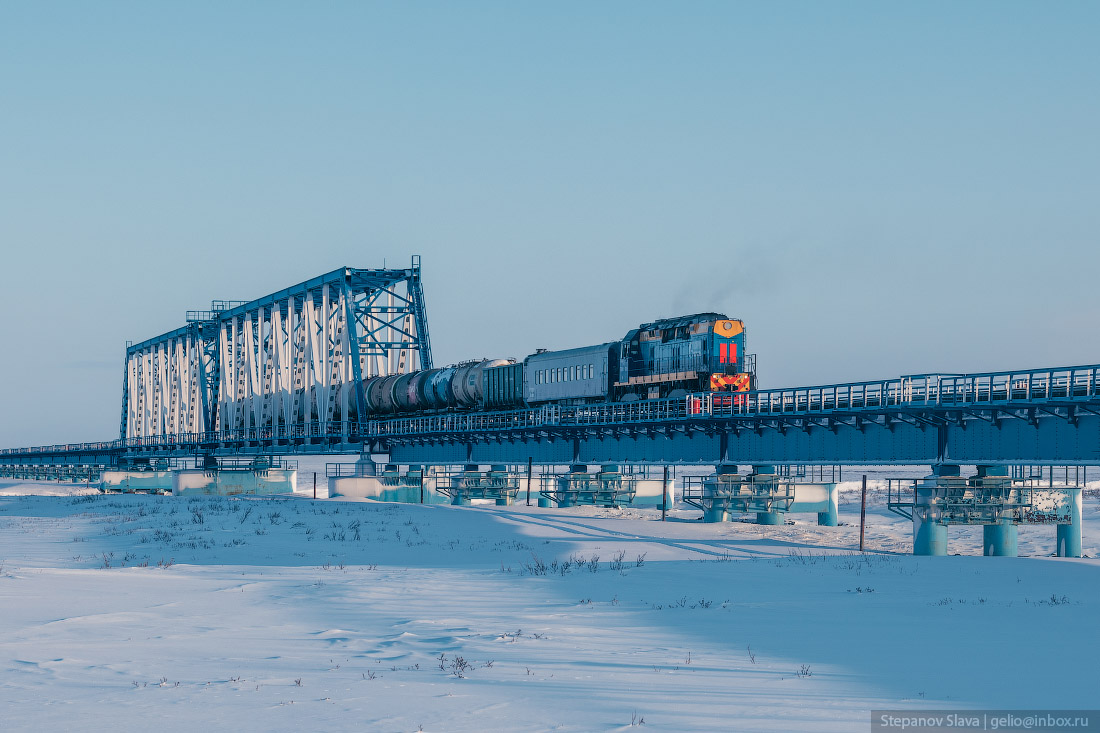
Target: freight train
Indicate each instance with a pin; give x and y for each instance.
(666, 358)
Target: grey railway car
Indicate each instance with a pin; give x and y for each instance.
(580, 375)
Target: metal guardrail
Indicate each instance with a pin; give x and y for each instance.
(608, 488)
(731, 492)
(463, 485)
(958, 500)
(1030, 387)
(926, 390)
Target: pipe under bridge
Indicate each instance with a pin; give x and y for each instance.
(1042, 416)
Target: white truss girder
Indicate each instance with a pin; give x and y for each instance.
(291, 359)
(164, 388)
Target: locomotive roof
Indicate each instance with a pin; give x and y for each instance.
(680, 321)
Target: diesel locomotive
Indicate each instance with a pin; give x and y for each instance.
(666, 358)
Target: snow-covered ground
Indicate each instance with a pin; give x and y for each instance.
(163, 613)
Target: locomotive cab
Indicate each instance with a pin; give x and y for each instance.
(670, 357)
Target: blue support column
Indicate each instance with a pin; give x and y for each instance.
(831, 516)
(544, 503)
(999, 540)
(1069, 535)
(929, 538)
(929, 533)
(716, 513)
(717, 510)
(771, 517)
(460, 499)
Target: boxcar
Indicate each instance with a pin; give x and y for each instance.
(504, 386)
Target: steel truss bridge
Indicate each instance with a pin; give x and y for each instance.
(1033, 417)
(281, 363)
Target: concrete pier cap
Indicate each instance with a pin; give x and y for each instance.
(946, 470)
(992, 471)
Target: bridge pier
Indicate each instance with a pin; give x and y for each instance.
(761, 474)
(1000, 540)
(366, 466)
(1068, 536)
(715, 513)
(929, 531)
(831, 516)
(715, 509)
(929, 537)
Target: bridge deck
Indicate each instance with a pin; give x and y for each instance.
(1032, 416)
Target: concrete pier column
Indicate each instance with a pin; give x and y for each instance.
(999, 540)
(762, 474)
(715, 502)
(460, 499)
(716, 514)
(929, 537)
(1068, 536)
(565, 497)
(499, 473)
(544, 503)
(831, 516)
(929, 533)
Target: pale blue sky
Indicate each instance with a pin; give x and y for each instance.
(875, 188)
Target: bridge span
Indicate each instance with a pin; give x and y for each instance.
(246, 384)
(1029, 417)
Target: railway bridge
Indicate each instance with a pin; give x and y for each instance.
(281, 376)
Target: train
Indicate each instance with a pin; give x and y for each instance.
(667, 358)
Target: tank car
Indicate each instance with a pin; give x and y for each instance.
(461, 386)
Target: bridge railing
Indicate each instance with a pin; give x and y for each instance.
(63, 448)
(463, 422)
(1039, 385)
(1065, 384)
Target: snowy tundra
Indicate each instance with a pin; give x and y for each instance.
(138, 613)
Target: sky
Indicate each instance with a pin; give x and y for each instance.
(875, 188)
